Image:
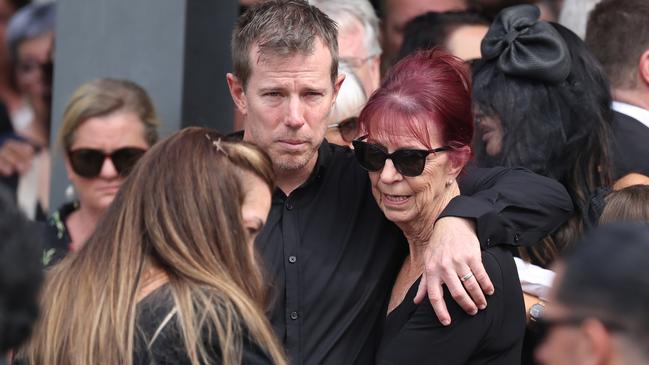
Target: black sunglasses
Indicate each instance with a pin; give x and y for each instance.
(408, 162)
(348, 128)
(88, 162)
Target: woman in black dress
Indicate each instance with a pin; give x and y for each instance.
(169, 275)
(418, 128)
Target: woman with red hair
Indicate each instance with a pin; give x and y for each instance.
(417, 133)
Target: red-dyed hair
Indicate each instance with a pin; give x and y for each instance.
(428, 89)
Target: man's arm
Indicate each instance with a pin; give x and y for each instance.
(499, 206)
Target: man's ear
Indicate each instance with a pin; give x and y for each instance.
(597, 343)
(643, 66)
(375, 74)
(238, 93)
(339, 82)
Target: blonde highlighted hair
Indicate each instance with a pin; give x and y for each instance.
(179, 210)
(102, 97)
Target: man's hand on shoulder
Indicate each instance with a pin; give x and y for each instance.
(453, 258)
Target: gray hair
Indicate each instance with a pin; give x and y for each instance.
(351, 96)
(284, 28)
(29, 22)
(344, 11)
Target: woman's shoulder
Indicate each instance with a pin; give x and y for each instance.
(56, 237)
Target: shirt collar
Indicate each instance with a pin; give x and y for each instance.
(635, 112)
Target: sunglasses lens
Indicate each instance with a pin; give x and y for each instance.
(349, 129)
(124, 159)
(410, 162)
(86, 162)
(370, 156)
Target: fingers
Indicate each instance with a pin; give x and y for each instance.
(475, 291)
(15, 156)
(481, 277)
(436, 297)
(459, 294)
(422, 290)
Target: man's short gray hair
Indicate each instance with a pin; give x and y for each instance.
(344, 12)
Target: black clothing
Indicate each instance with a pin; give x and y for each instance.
(6, 130)
(334, 256)
(56, 240)
(630, 146)
(413, 334)
(168, 347)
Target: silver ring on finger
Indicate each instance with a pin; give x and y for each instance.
(466, 277)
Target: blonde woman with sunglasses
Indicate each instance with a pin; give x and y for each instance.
(107, 126)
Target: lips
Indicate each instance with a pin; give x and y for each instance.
(292, 144)
(395, 200)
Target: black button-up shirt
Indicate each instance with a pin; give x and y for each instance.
(333, 256)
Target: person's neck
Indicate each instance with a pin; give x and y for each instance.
(81, 225)
(639, 98)
(419, 231)
(289, 180)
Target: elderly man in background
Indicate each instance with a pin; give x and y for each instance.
(358, 38)
(597, 313)
(618, 35)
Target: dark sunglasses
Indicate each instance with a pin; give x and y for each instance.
(541, 327)
(408, 162)
(348, 128)
(88, 162)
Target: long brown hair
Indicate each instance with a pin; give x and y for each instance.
(179, 210)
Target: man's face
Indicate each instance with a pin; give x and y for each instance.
(565, 344)
(286, 103)
(352, 49)
(399, 12)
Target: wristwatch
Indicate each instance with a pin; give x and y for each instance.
(536, 311)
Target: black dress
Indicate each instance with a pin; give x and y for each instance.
(413, 334)
(158, 337)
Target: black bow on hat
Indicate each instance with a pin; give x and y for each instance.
(525, 46)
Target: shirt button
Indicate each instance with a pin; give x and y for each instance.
(294, 315)
(289, 205)
(517, 237)
(292, 259)
(489, 241)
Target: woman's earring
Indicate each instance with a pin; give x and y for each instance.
(69, 193)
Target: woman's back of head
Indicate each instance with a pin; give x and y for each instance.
(550, 96)
(554, 122)
(178, 211)
(628, 204)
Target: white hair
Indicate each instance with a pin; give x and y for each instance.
(351, 96)
(344, 12)
(574, 15)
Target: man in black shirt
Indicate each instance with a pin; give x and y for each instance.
(332, 254)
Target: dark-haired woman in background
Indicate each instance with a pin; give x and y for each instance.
(418, 128)
(542, 102)
(169, 275)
